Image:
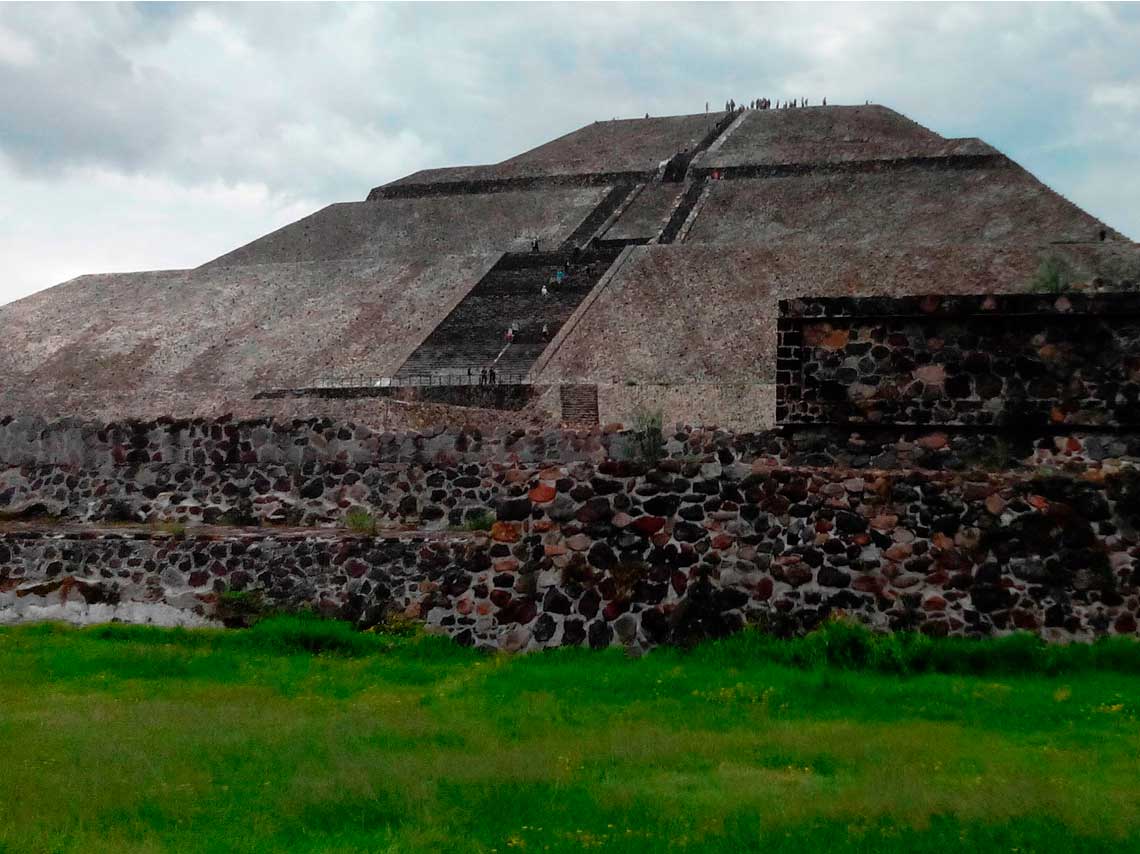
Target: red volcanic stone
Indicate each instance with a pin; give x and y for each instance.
(199, 578)
(541, 526)
(579, 542)
(934, 603)
(941, 541)
(501, 598)
(505, 532)
(763, 589)
(1023, 619)
(1125, 624)
(933, 442)
(554, 550)
(995, 504)
(721, 542)
(1040, 502)
(483, 609)
(614, 609)
(647, 526)
(822, 526)
(463, 606)
(679, 582)
(797, 574)
(356, 568)
(899, 551)
(867, 584)
(520, 611)
(542, 493)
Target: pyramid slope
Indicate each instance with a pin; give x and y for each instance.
(423, 227)
(682, 314)
(193, 342)
(620, 145)
(999, 203)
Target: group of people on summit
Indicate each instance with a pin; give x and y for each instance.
(730, 106)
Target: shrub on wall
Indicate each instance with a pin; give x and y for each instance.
(648, 438)
(1053, 276)
(479, 521)
(361, 521)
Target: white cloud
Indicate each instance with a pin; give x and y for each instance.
(14, 49)
(115, 222)
(1121, 96)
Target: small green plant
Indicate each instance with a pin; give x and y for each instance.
(174, 527)
(397, 624)
(481, 521)
(1053, 276)
(648, 436)
(240, 608)
(361, 521)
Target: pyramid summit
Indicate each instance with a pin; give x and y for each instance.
(642, 257)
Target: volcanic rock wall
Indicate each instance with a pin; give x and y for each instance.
(1020, 363)
(621, 552)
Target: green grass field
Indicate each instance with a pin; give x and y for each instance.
(304, 736)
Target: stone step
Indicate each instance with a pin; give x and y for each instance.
(579, 404)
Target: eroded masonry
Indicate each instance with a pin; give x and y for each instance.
(910, 374)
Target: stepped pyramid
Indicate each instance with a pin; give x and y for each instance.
(680, 235)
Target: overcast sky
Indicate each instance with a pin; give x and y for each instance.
(159, 136)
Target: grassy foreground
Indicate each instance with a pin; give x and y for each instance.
(304, 736)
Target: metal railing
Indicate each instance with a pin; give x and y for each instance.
(475, 378)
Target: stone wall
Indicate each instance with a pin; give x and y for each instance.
(619, 553)
(1019, 363)
(313, 472)
(153, 576)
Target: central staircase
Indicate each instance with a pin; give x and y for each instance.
(473, 336)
